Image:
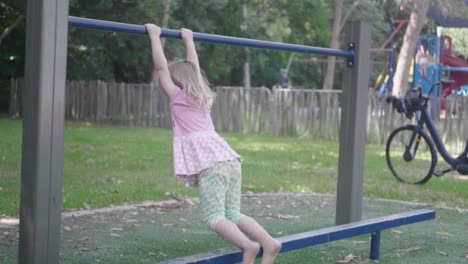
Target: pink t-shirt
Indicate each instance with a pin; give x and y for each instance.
(187, 117)
(197, 146)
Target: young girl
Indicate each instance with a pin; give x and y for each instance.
(201, 157)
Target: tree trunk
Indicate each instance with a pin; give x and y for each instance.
(165, 19)
(10, 28)
(164, 24)
(247, 51)
(19, 5)
(330, 74)
(247, 68)
(417, 20)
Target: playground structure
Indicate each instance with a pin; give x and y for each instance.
(435, 61)
(384, 82)
(43, 128)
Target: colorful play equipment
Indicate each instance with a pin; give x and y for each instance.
(438, 61)
(434, 61)
(384, 82)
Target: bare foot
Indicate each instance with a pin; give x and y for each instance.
(250, 252)
(270, 251)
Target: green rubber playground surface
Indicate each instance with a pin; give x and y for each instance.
(151, 233)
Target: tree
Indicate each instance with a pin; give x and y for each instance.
(11, 9)
(244, 27)
(164, 24)
(165, 18)
(108, 56)
(10, 28)
(12, 39)
(459, 35)
(338, 24)
(303, 22)
(416, 22)
(266, 20)
(118, 57)
(459, 41)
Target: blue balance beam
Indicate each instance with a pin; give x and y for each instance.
(321, 236)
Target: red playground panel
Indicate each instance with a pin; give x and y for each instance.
(460, 77)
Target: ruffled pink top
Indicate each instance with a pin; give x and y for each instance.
(197, 146)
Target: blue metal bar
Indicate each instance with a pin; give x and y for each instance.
(456, 69)
(210, 38)
(375, 246)
(316, 237)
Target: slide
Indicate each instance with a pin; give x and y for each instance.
(460, 77)
(448, 60)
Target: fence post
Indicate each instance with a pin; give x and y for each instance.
(353, 127)
(150, 106)
(13, 97)
(273, 112)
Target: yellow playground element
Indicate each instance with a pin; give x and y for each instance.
(383, 77)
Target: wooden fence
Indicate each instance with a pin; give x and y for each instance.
(291, 112)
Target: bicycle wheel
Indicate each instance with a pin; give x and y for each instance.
(414, 165)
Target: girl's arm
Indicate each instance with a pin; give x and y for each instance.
(159, 60)
(187, 37)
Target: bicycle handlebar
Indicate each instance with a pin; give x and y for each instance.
(439, 83)
(414, 99)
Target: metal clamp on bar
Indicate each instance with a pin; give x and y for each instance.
(352, 49)
(209, 38)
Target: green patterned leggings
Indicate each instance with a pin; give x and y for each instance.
(220, 192)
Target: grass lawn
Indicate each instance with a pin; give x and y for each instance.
(107, 165)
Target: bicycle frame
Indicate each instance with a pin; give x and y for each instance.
(408, 105)
(437, 140)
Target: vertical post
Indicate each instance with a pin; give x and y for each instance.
(150, 108)
(43, 124)
(375, 246)
(243, 27)
(353, 127)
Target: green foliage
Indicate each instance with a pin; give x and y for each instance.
(277, 20)
(108, 56)
(459, 41)
(454, 8)
(119, 57)
(310, 25)
(11, 51)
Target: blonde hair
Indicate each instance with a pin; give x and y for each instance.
(186, 75)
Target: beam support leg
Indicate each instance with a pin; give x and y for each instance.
(375, 246)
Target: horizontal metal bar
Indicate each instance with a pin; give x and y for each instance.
(455, 69)
(209, 38)
(316, 237)
(308, 90)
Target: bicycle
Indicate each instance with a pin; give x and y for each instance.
(410, 152)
